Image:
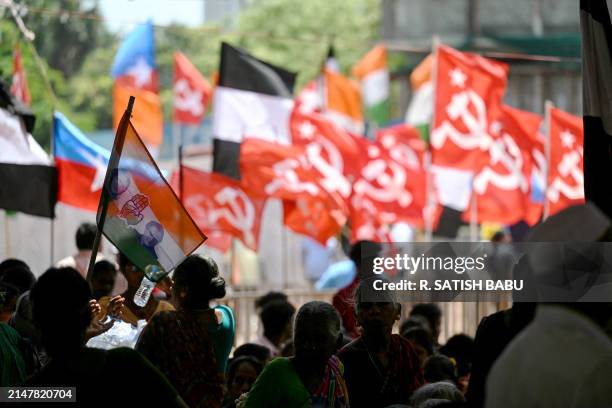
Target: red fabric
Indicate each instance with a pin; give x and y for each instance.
(334, 154)
(219, 203)
(192, 92)
(343, 301)
(19, 86)
(271, 169)
(502, 185)
(566, 175)
(468, 97)
(75, 182)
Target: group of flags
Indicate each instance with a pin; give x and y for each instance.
(310, 150)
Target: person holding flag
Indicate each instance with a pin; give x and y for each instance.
(140, 214)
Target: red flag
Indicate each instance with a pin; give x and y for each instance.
(468, 97)
(19, 87)
(366, 223)
(311, 217)
(221, 241)
(405, 146)
(566, 174)
(502, 185)
(535, 200)
(219, 203)
(192, 92)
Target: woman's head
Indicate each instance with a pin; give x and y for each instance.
(316, 333)
(375, 310)
(197, 282)
(241, 374)
(60, 308)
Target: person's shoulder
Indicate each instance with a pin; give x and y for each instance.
(279, 364)
(351, 349)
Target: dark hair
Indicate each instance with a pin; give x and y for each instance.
(11, 263)
(199, 278)
(60, 308)
(103, 266)
(317, 312)
(237, 361)
(420, 336)
(414, 322)
(430, 311)
(362, 254)
(365, 293)
(439, 368)
(461, 348)
(269, 297)
(20, 276)
(124, 262)
(275, 316)
(8, 296)
(260, 353)
(85, 235)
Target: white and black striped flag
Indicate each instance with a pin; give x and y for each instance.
(597, 101)
(253, 99)
(28, 180)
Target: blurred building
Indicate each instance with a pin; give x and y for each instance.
(526, 29)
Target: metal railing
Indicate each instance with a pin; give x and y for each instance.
(457, 317)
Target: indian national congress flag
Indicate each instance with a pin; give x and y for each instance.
(144, 218)
(373, 73)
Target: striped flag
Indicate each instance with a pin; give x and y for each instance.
(597, 96)
(253, 99)
(373, 73)
(143, 217)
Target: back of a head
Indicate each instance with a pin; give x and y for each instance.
(19, 276)
(439, 368)
(439, 391)
(269, 297)
(237, 361)
(430, 311)
(461, 348)
(421, 337)
(198, 277)
(85, 236)
(60, 308)
(275, 316)
(316, 312)
(261, 353)
(11, 263)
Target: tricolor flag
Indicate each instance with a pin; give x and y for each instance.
(252, 100)
(342, 102)
(373, 73)
(135, 73)
(139, 212)
(192, 92)
(597, 95)
(420, 110)
(81, 165)
(28, 181)
(19, 86)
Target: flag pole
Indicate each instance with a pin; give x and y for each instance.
(52, 228)
(547, 109)
(429, 197)
(113, 162)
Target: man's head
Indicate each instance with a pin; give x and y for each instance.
(85, 236)
(316, 334)
(276, 318)
(103, 278)
(61, 311)
(153, 234)
(269, 297)
(432, 313)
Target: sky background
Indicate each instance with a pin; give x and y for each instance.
(122, 15)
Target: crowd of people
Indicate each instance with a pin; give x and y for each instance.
(351, 352)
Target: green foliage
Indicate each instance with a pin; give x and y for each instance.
(66, 31)
(78, 52)
(296, 34)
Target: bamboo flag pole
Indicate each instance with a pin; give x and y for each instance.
(112, 163)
